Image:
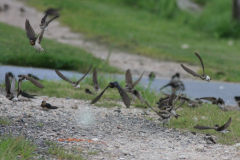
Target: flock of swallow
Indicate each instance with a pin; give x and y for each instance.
(166, 106)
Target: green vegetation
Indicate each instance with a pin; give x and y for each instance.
(5, 121)
(62, 153)
(12, 147)
(16, 50)
(142, 32)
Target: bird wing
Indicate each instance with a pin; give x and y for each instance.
(19, 86)
(180, 105)
(226, 125)
(47, 23)
(200, 61)
(138, 95)
(124, 95)
(62, 76)
(137, 81)
(84, 75)
(237, 98)
(13, 85)
(44, 19)
(8, 84)
(203, 127)
(151, 107)
(35, 82)
(128, 77)
(165, 86)
(176, 100)
(190, 71)
(172, 96)
(94, 77)
(40, 36)
(99, 96)
(212, 99)
(29, 31)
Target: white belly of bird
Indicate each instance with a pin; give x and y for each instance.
(77, 86)
(224, 131)
(221, 106)
(15, 99)
(165, 121)
(208, 78)
(21, 98)
(173, 112)
(37, 46)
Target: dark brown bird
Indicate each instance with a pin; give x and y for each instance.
(130, 86)
(47, 106)
(88, 91)
(203, 76)
(95, 81)
(217, 128)
(220, 102)
(175, 83)
(76, 85)
(209, 140)
(122, 93)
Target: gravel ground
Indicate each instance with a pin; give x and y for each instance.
(119, 59)
(115, 133)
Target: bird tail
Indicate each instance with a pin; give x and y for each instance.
(54, 107)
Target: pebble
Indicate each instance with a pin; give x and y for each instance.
(200, 148)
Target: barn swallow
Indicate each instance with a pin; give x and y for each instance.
(151, 75)
(88, 91)
(175, 83)
(221, 129)
(209, 140)
(33, 76)
(203, 76)
(122, 93)
(34, 41)
(47, 106)
(43, 21)
(52, 11)
(10, 89)
(220, 102)
(163, 114)
(22, 77)
(130, 86)
(95, 81)
(76, 85)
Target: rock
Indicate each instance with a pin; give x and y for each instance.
(200, 148)
(237, 145)
(226, 158)
(182, 157)
(74, 106)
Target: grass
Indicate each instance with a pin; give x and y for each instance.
(5, 121)
(16, 50)
(13, 147)
(62, 153)
(141, 32)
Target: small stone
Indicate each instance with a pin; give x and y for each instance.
(200, 148)
(226, 158)
(74, 106)
(95, 139)
(237, 145)
(182, 157)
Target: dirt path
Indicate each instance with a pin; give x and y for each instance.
(63, 34)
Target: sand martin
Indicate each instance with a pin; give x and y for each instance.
(34, 41)
(47, 106)
(43, 22)
(10, 89)
(76, 85)
(126, 100)
(130, 86)
(220, 102)
(95, 81)
(175, 83)
(203, 76)
(209, 140)
(217, 128)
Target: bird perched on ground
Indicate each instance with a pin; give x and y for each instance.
(209, 140)
(171, 106)
(95, 81)
(10, 89)
(203, 76)
(47, 106)
(52, 11)
(151, 75)
(163, 114)
(122, 93)
(34, 41)
(23, 96)
(76, 85)
(33, 76)
(216, 127)
(175, 83)
(130, 86)
(44, 22)
(88, 91)
(220, 102)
